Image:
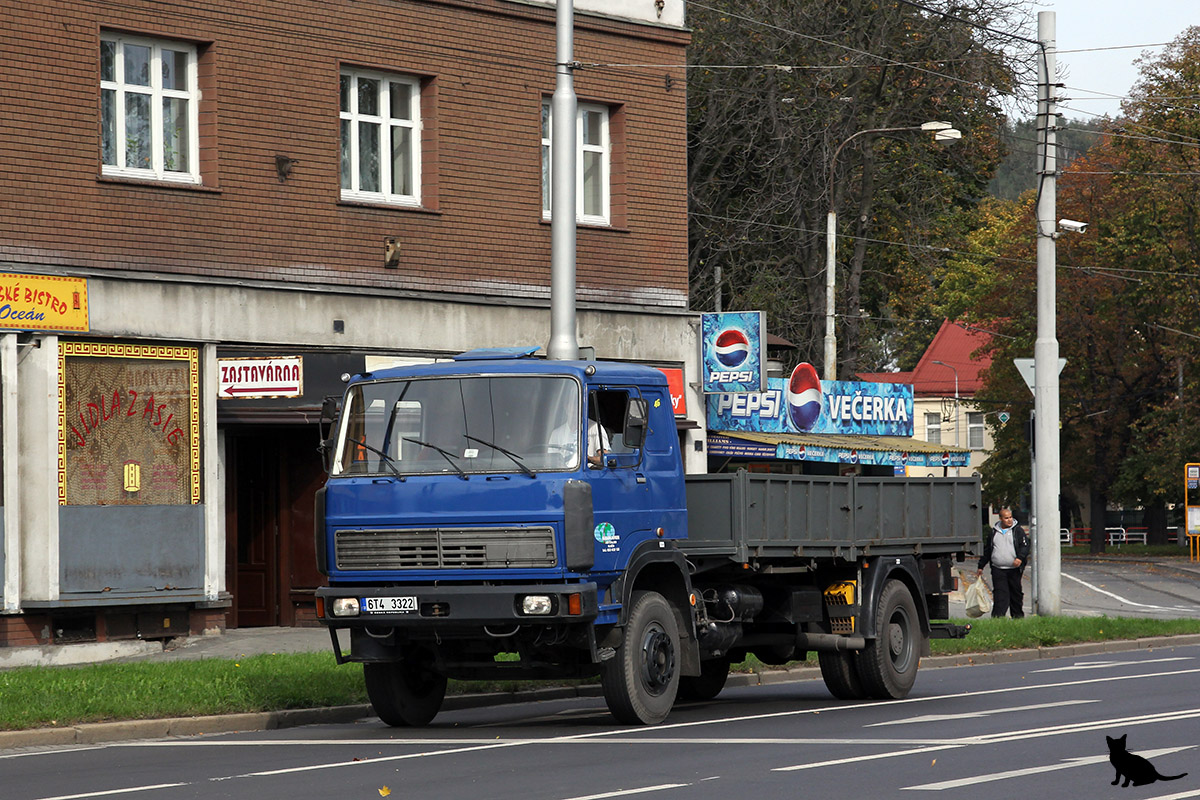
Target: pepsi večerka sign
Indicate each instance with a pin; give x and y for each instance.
(733, 351)
(806, 404)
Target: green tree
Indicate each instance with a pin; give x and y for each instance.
(762, 138)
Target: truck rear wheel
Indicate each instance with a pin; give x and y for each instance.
(840, 672)
(405, 693)
(641, 681)
(708, 684)
(888, 664)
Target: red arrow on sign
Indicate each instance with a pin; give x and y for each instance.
(261, 389)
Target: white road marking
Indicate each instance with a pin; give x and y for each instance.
(1066, 763)
(379, 759)
(977, 714)
(115, 791)
(1021, 735)
(1127, 601)
(911, 751)
(1104, 664)
(626, 792)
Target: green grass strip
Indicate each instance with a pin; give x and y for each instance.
(34, 697)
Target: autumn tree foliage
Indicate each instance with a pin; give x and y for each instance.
(1127, 302)
(774, 89)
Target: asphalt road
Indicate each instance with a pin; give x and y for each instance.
(1129, 589)
(1027, 729)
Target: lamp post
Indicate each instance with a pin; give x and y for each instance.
(942, 132)
(956, 414)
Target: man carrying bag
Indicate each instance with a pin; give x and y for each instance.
(1007, 550)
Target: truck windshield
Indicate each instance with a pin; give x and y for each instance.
(460, 426)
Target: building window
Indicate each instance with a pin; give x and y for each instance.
(592, 163)
(933, 428)
(381, 137)
(975, 430)
(148, 109)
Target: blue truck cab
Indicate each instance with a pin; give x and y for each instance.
(485, 517)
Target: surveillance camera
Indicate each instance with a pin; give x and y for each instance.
(1074, 226)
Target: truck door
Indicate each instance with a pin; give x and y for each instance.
(627, 502)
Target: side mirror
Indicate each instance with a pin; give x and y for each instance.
(329, 408)
(635, 422)
(329, 412)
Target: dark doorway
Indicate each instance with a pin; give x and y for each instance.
(272, 475)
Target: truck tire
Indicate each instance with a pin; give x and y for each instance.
(405, 693)
(708, 684)
(887, 666)
(641, 681)
(840, 673)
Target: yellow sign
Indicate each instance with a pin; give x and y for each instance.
(43, 303)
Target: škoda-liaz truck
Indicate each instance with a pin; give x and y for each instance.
(500, 516)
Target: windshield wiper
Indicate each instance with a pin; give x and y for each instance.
(446, 454)
(516, 459)
(384, 458)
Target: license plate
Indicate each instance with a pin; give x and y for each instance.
(389, 605)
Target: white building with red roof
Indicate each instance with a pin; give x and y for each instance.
(945, 382)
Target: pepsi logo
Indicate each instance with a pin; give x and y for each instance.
(804, 397)
(731, 347)
(945, 459)
(853, 456)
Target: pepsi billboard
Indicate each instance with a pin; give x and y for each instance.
(805, 404)
(733, 352)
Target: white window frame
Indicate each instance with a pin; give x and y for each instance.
(157, 94)
(975, 430)
(386, 124)
(603, 148)
(933, 433)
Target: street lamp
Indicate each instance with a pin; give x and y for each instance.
(942, 132)
(951, 366)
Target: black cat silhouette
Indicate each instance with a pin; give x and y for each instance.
(1133, 768)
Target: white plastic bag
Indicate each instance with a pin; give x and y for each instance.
(979, 598)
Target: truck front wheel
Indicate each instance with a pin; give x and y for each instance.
(888, 664)
(641, 680)
(405, 693)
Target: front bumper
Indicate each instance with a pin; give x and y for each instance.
(459, 606)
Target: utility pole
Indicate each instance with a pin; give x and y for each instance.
(1047, 558)
(564, 337)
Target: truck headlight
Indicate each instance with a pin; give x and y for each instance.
(345, 607)
(536, 605)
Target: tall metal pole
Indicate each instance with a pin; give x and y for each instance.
(830, 283)
(564, 342)
(1047, 556)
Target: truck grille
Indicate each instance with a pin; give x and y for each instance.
(444, 548)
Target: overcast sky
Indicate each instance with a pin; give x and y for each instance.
(1085, 24)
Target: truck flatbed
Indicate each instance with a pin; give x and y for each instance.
(747, 517)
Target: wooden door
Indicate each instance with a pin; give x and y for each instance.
(256, 539)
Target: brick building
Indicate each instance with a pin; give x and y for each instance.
(313, 187)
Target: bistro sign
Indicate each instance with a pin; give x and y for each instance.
(43, 303)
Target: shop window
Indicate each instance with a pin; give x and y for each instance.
(129, 424)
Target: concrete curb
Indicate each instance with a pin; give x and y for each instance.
(102, 732)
